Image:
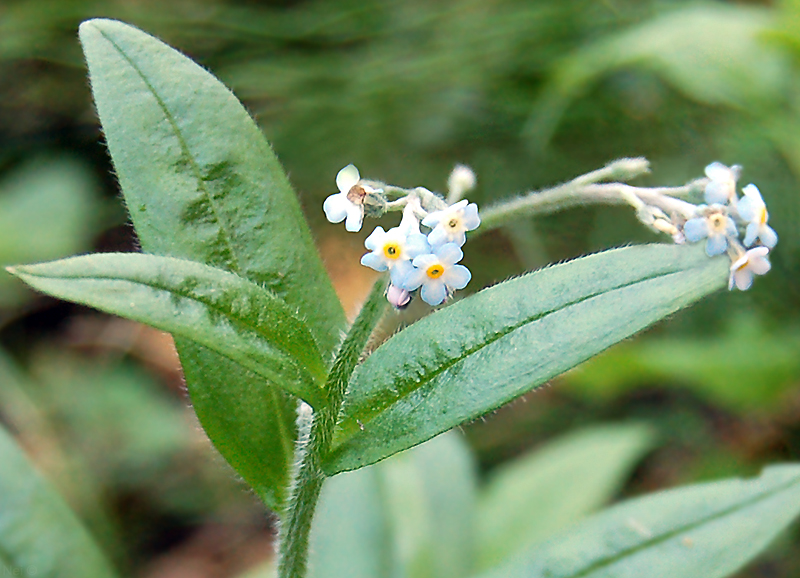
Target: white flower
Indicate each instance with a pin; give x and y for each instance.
(461, 180)
(752, 209)
(715, 225)
(721, 189)
(753, 262)
(451, 224)
(437, 274)
(394, 249)
(348, 203)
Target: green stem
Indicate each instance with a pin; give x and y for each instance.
(315, 435)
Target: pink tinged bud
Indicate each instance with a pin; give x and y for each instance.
(397, 297)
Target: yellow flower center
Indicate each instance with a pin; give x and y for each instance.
(762, 218)
(717, 223)
(435, 271)
(452, 223)
(391, 251)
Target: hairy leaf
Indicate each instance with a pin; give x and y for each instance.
(220, 310)
(484, 351)
(702, 531)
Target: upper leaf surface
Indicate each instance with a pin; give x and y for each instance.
(39, 534)
(220, 310)
(200, 180)
(703, 531)
(484, 351)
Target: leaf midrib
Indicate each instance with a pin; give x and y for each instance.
(210, 305)
(201, 186)
(609, 560)
(377, 408)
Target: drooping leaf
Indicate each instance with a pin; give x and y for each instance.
(202, 183)
(483, 351)
(702, 531)
(39, 534)
(534, 496)
(220, 310)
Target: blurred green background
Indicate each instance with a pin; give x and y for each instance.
(527, 92)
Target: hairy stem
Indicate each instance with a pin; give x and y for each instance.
(316, 432)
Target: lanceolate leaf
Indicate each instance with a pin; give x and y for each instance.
(480, 353)
(202, 183)
(220, 310)
(200, 180)
(703, 531)
(39, 534)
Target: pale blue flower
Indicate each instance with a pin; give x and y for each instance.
(451, 224)
(714, 225)
(348, 204)
(721, 188)
(752, 209)
(393, 250)
(438, 274)
(753, 262)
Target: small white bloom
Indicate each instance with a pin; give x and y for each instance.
(451, 224)
(752, 209)
(461, 180)
(716, 225)
(393, 250)
(753, 262)
(348, 203)
(721, 189)
(438, 274)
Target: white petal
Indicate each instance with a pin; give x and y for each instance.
(425, 261)
(438, 237)
(347, 178)
(760, 266)
(374, 261)
(433, 292)
(768, 236)
(335, 207)
(752, 191)
(716, 171)
(457, 277)
(471, 219)
(355, 215)
(413, 279)
(743, 279)
(449, 254)
(375, 239)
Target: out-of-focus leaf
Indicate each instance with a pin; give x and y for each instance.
(483, 351)
(39, 534)
(702, 531)
(222, 311)
(712, 53)
(202, 183)
(431, 494)
(412, 516)
(747, 366)
(534, 496)
(48, 209)
(351, 534)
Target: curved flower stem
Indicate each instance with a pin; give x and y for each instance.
(316, 434)
(586, 190)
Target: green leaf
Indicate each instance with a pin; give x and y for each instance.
(544, 491)
(713, 53)
(412, 516)
(39, 534)
(702, 531)
(220, 310)
(49, 209)
(202, 183)
(200, 180)
(430, 495)
(470, 358)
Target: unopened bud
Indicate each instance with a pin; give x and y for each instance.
(461, 180)
(397, 297)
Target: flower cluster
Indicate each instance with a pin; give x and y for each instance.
(720, 221)
(427, 262)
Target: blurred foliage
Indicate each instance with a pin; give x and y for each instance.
(529, 93)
